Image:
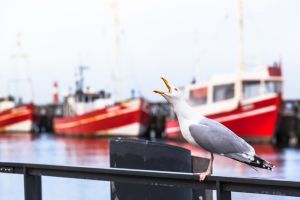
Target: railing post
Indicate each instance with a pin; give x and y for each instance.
(32, 186)
(221, 194)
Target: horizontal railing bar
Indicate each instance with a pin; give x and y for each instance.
(162, 178)
(259, 181)
(112, 174)
(265, 189)
(188, 180)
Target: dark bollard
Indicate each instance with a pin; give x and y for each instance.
(32, 187)
(145, 155)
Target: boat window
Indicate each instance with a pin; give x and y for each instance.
(251, 89)
(198, 96)
(273, 87)
(223, 92)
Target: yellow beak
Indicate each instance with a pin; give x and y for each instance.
(168, 86)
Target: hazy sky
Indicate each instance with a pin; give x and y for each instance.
(174, 38)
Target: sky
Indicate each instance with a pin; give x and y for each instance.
(177, 39)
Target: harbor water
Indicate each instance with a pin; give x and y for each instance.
(94, 152)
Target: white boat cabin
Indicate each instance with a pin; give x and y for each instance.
(85, 101)
(226, 92)
(7, 103)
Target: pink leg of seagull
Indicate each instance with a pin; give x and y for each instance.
(208, 172)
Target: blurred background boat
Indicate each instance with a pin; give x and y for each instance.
(88, 113)
(17, 110)
(248, 103)
(16, 117)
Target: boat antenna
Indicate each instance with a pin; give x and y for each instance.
(80, 80)
(241, 35)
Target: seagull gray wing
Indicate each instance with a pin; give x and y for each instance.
(216, 138)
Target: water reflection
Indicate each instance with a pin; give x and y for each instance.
(94, 152)
(86, 151)
(47, 149)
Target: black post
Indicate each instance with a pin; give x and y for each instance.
(200, 165)
(32, 186)
(221, 194)
(145, 155)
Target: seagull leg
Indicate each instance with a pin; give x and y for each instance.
(209, 170)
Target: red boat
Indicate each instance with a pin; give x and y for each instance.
(90, 113)
(14, 118)
(248, 103)
(130, 118)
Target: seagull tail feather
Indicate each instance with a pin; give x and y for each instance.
(261, 163)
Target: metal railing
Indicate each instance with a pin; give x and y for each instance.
(223, 185)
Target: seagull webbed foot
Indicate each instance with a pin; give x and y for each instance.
(203, 175)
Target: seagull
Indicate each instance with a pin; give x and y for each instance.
(209, 134)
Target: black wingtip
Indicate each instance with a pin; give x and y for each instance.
(261, 163)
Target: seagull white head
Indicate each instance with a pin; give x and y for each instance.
(173, 95)
(177, 100)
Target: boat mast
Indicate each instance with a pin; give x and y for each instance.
(117, 72)
(80, 78)
(18, 56)
(241, 35)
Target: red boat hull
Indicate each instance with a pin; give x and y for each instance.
(18, 119)
(127, 118)
(257, 120)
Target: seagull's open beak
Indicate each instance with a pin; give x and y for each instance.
(168, 86)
